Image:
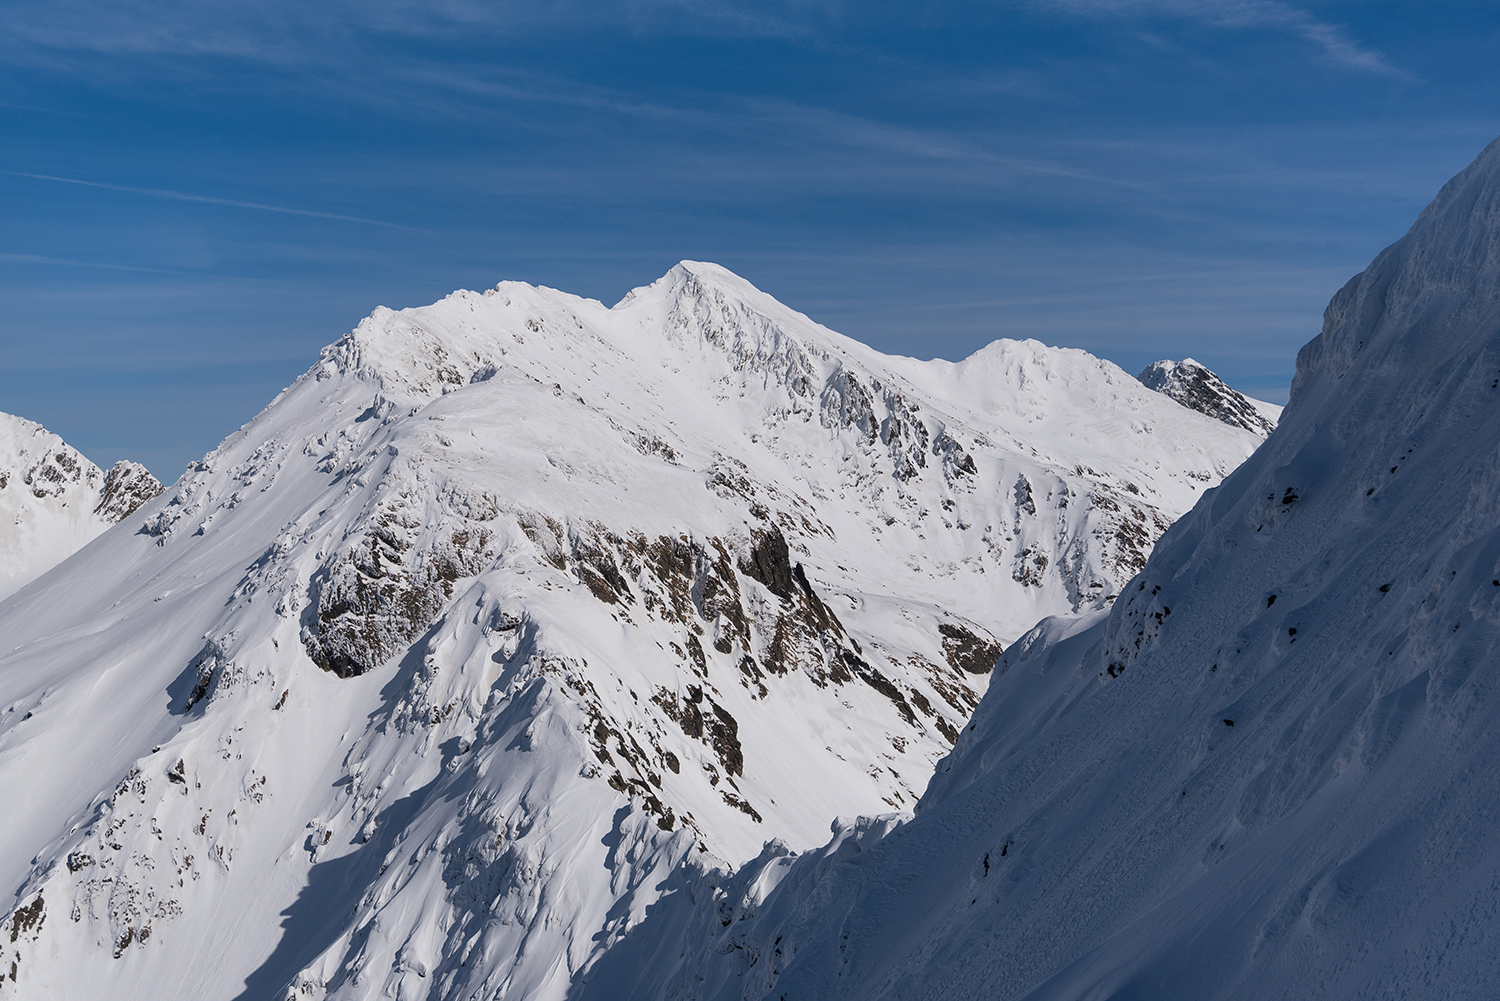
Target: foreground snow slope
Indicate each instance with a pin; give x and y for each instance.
(422, 683)
(1271, 770)
(53, 500)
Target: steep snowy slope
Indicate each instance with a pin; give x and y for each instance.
(1271, 770)
(1197, 388)
(589, 589)
(53, 500)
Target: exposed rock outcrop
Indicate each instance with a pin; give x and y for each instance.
(53, 500)
(1197, 388)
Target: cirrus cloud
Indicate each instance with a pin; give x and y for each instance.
(1334, 40)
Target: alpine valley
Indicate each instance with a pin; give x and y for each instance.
(516, 611)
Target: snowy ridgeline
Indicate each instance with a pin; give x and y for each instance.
(1269, 771)
(53, 501)
(425, 682)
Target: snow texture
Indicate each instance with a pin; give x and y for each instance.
(426, 681)
(1197, 388)
(53, 500)
(1268, 771)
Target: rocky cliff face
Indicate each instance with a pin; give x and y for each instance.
(53, 500)
(1197, 388)
(1267, 771)
(127, 486)
(431, 674)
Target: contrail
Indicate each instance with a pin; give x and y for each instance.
(183, 196)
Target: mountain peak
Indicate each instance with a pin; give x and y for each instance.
(1196, 387)
(704, 272)
(53, 500)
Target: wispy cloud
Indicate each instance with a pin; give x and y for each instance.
(281, 32)
(1333, 40)
(38, 259)
(867, 134)
(184, 196)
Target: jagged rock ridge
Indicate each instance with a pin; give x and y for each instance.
(1197, 388)
(433, 672)
(53, 500)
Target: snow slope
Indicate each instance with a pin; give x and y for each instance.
(590, 589)
(1196, 387)
(53, 500)
(1270, 770)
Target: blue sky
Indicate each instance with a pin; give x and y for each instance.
(197, 196)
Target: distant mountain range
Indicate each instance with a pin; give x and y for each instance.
(425, 681)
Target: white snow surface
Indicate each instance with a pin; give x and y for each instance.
(595, 589)
(1268, 771)
(53, 500)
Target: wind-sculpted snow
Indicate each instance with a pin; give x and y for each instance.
(53, 501)
(429, 679)
(1268, 771)
(1195, 387)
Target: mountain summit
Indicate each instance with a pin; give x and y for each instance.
(1197, 388)
(425, 680)
(53, 500)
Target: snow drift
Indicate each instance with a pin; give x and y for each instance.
(1270, 770)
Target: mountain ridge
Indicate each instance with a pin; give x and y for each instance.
(436, 669)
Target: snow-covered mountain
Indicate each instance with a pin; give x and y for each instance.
(422, 683)
(53, 500)
(1269, 771)
(1197, 388)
